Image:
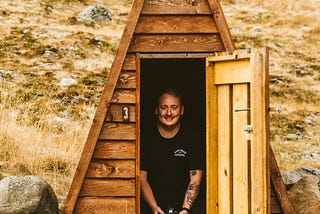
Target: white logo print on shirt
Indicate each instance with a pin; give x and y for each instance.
(180, 153)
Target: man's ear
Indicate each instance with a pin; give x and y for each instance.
(182, 110)
(155, 110)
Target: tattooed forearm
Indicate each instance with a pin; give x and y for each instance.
(194, 187)
(190, 198)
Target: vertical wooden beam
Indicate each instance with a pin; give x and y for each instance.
(212, 142)
(99, 118)
(258, 142)
(225, 149)
(240, 149)
(138, 91)
(222, 25)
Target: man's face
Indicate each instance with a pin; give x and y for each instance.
(169, 110)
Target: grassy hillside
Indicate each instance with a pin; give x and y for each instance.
(52, 71)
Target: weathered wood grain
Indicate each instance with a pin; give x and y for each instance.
(115, 150)
(127, 80)
(105, 205)
(124, 96)
(176, 43)
(118, 131)
(176, 7)
(115, 112)
(176, 24)
(108, 187)
(111, 169)
(99, 117)
(129, 63)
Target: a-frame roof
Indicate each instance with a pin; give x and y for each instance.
(202, 11)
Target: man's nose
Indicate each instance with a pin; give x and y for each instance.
(169, 111)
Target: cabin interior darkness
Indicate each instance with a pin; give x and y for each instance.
(187, 75)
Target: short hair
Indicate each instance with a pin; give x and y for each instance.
(172, 91)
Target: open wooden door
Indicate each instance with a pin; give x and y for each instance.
(237, 133)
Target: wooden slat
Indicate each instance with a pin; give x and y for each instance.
(176, 24)
(115, 112)
(124, 96)
(176, 7)
(259, 198)
(127, 80)
(115, 150)
(111, 169)
(176, 43)
(138, 125)
(224, 149)
(212, 142)
(129, 62)
(229, 72)
(112, 187)
(240, 150)
(99, 117)
(105, 205)
(222, 25)
(279, 186)
(118, 131)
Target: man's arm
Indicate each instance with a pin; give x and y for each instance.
(148, 194)
(192, 190)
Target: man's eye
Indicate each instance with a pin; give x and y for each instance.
(174, 107)
(163, 107)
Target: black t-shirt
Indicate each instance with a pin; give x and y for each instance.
(168, 162)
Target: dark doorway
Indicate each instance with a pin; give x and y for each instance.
(188, 76)
(185, 75)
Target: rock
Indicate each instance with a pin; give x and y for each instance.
(95, 13)
(27, 194)
(305, 195)
(68, 81)
(292, 177)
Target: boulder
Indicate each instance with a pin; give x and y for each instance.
(292, 177)
(27, 194)
(95, 13)
(305, 195)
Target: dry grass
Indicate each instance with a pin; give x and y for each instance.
(44, 125)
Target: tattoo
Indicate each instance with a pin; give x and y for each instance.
(193, 172)
(190, 198)
(194, 187)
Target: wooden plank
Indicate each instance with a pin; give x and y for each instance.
(176, 24)
(259, 189)
(116, 113)
(225, 149)
(138, 126)
(124, 96)
(279, 186)
(111, 169)
(118, 131)
(275, 206)
(127, 80)
(212, 142)
(115, 150)
(241, 197)
(222, 25)
(102, 107)
(230, 72)
(176, 43)
(111, 187)
(129, 62)
(176, 7)
(105, 205)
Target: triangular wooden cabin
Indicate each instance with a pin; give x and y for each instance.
(186, 43)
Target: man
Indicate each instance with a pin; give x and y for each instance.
(171, 161)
